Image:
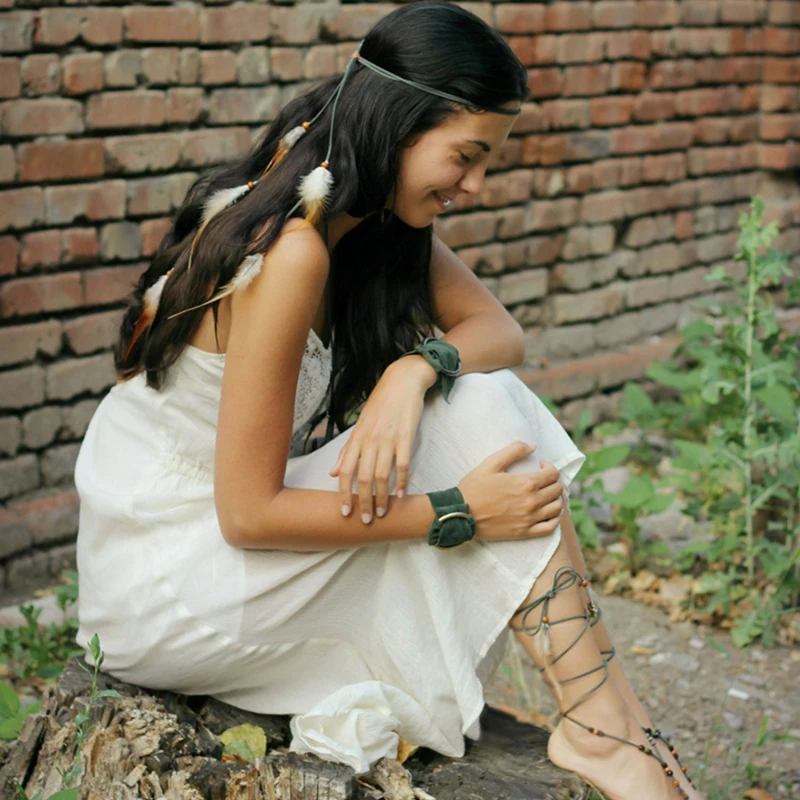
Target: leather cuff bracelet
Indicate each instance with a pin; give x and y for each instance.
(453, 524)
(444, 358)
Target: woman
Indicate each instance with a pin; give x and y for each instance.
(221, 552)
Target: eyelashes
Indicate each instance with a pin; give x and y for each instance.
(464, 159)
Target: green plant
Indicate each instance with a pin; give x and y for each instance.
(736, 429)
(12, 715)
(82, 730)
(38, 651)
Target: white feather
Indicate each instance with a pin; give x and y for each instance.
(221, 200)
(294, 134)
(152, 296)
(315, 186)
(248, 270)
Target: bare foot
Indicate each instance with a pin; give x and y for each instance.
(618, 770)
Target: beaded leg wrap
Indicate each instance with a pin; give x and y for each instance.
(565, 578)
(652, 733)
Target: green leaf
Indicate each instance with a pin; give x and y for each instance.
(659, 503)
(10, 728)
(636, 402)
(779, 401)
(108, 693)
(9, 702)
(636, 492)
(609, 457)
(241, 738)
(697, 329)
(65, 794)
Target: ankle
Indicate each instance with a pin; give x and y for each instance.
(588, 741)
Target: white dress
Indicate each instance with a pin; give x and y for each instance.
(359, 645)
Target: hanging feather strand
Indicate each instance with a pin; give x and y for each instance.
(217, 202)
(315, 191)
(150, 302)
(245, 274)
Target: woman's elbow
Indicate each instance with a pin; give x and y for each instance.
(240, 530)
(517, 348)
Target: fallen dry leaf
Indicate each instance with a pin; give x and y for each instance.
(405, 750)
(757, 794)
(528, 717)
(642, 651)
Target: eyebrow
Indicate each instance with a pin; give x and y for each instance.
(484, 145)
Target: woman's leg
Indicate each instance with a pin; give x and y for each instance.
(598, 738)
(616, 673)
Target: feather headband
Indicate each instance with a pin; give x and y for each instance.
(314, 188)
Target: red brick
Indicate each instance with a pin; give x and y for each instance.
(144, 153)
(92, 201)
(41, 74)
(292, 26)
(20, 343)
(744, 129)
(102, 26)
(779, 157)
(628, 44)
(628, 76)
(16, 31)
(611, 111)
(8, 164)
(40, 249)
(234, 24)
(684, 225)
(603, 207)
(751, 98)
(700, 12)
(55, 161)
(652, 106)
(614, 14)
(108, 285)
(57, 26)
(616, 172)
(177, 24)
(79, 245)
(201, 148)
(551, 214)
(672, 74)
(83, 73)
(69, 378)
(159, 195)
(534, 50)
(657, 13)
(286, 63)
(669, 136)
(580, 48)
(23, 296)
(543, 249)
(664, 169)
(152, 231)
(575, 15)
(786, 12)
(785, 41)
(10, 78)
(160, 65)
(563, 114)
(744, 12)
(354, 22)
(585, 81)
(244, 105)
(219, 67)
(547, 82)
(185, 105)
(779, 98)
(9, 255)
(21, 208)
(140, 108)
(782, 70)
(579, 179)
(93, 332)
(519, 18)
(44, 116)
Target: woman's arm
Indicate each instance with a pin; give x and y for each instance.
(473, 319)
(269, 326)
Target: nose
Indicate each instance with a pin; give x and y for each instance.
(473, 179)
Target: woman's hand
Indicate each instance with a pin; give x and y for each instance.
(518, 506)
(384, 432)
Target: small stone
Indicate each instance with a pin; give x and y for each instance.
(753, 680)
(696, 643)
(646, 641)
(733, 721)
(739, 694)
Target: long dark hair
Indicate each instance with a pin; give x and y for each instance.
(379, 281)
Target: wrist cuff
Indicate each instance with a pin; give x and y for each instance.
(453, 524)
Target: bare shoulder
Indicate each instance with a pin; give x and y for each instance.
(299, 243)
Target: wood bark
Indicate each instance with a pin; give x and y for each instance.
(154, 745)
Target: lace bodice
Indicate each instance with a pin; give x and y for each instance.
(312, 385)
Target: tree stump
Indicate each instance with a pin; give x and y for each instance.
(163, 745)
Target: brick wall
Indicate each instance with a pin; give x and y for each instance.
(654, 122)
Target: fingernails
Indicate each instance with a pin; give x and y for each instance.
(345, 510)
(380, 511)
(365, 518)
(401, 493)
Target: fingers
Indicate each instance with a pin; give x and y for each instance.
(366, 475)
(503, 459)
(383, 469)
(348, 458)
(547, 475)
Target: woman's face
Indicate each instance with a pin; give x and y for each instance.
(449, 160)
